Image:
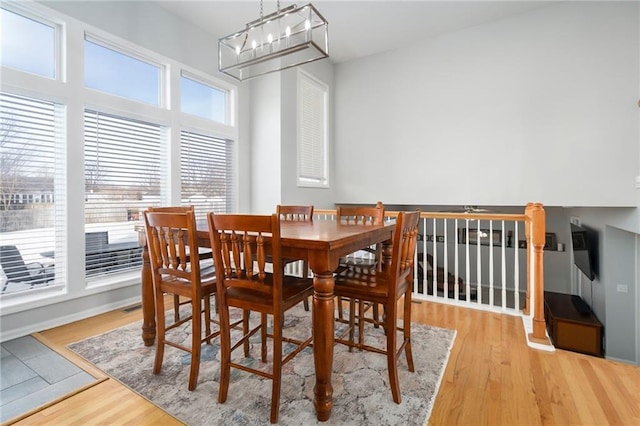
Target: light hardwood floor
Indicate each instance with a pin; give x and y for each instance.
(492, 378)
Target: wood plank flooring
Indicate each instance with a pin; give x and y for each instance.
(492, 378)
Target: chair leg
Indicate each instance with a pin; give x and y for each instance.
(160, 332)
(245, 330)
(305, 274)
(207, 318)
(361, 310)
(376, 315)
(196, 342)
(392, 355)
(340, 308)
(176, 308)
(225, 354)
(407, 329)
(352, 322)
(278, 321)
(263, 337)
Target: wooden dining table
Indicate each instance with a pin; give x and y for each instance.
(322, 243)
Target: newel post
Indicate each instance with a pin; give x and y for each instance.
(527, 237)
(536, 216)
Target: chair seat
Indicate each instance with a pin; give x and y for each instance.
(294, 290)
(183, 287)
(365, 284)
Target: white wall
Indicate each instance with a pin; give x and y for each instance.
(539, 107)
(265, 143)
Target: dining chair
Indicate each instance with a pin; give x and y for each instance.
(371, 215)
(203, 253)
(241, 245)
(176, 270)
(297, 214)
(387, 287)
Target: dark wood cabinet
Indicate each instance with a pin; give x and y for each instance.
(569, 329)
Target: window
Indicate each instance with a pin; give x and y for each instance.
(27, 44)
(28, 135)
(122, 178)
(114, 113)
(122, 75)
(206, 173)
(312, 131)
(202, 100)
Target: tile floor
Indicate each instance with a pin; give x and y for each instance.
(31, 374)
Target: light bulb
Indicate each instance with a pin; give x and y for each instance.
(254, 44)
(287, 31)
(307, 25)
(238, 50)
(269, 38)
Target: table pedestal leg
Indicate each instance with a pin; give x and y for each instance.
(323, 329)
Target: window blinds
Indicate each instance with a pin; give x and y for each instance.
(28, 193)
(122, 178)
(206, 173)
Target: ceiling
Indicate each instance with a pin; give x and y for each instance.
(358, 28)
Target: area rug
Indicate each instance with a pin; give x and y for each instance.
(361, 393)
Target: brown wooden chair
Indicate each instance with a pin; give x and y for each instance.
(203, 253)
(175, 270)
(387, 287)
(372, 215)
(243, 283)
(297, 214)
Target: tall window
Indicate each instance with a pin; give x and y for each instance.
(312, 131)
(122, 177)
(28, 134)
(206, 172)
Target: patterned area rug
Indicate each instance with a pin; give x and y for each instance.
(361, 393)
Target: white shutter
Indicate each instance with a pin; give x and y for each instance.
(206, 173)
(30, 187)
(312, 132)
(122, 178)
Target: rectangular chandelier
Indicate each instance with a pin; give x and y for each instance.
(284, 39)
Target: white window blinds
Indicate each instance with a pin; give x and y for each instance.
(122, 178)
(206, 173)
(312, 131)
(28, 192)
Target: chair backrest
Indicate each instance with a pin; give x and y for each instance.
(364, 215)
(295, 213)
(240, 251)
(12, 264)
(172, 239)
(405, 237)
(171, 209)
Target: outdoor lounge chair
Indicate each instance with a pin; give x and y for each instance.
(17, 271)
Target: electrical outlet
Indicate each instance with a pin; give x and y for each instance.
(622, 288)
